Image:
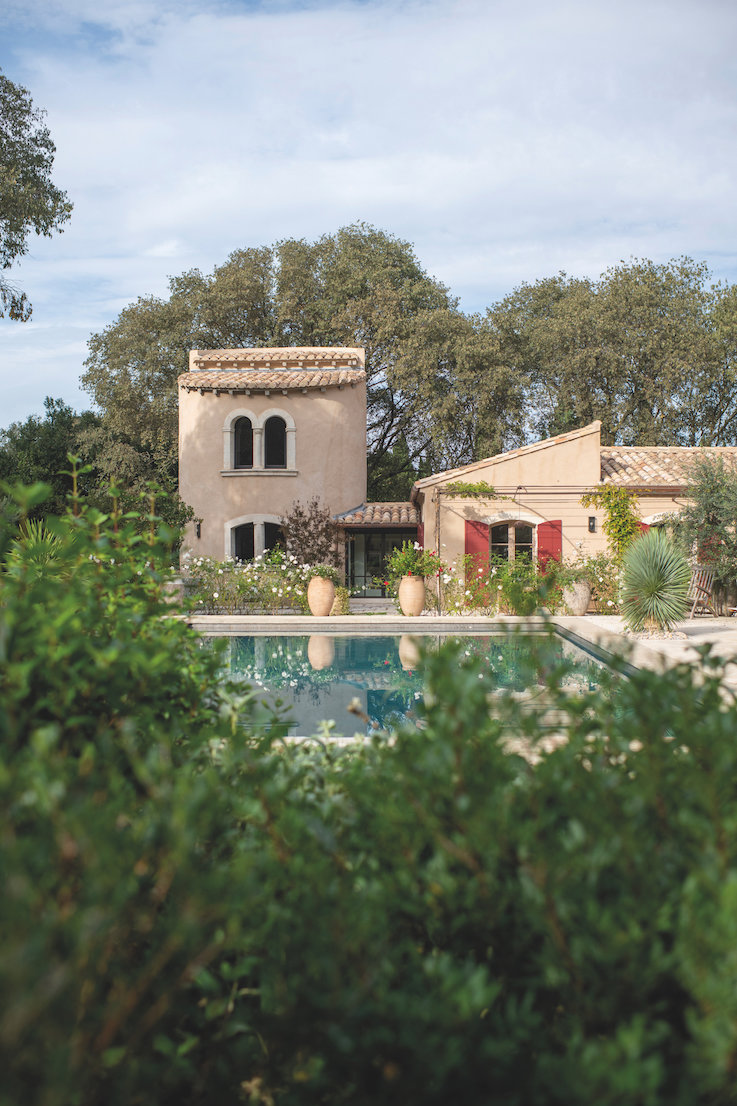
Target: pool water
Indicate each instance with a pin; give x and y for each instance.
(364, 683)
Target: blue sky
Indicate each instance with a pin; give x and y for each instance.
(506, 139)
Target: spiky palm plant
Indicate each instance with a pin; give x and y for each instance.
(655, 580)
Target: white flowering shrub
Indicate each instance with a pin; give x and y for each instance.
(272, 582)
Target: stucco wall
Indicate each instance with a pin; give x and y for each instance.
(329, 455)
(539, 483)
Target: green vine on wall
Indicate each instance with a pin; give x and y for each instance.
(622, 522)
(468, 490)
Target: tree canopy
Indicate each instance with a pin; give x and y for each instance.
(650, 349)
(37, 451)
(359, 286)
(29, 201)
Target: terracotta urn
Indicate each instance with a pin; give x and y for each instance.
(412, 595)
(409, 653)
(320, 596)
(321, 651)
(577, 597)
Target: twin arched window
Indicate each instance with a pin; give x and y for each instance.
(274, 443)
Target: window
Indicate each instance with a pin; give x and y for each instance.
(243, 444)
(273, 536)
(275, 443)
(511, 540)
(243, 548)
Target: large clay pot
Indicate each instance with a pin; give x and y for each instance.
(409, 653)
(321, 651)
(320, 595)
(412, 595)
(577, 597)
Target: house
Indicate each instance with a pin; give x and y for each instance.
(260, 429)
(533, 496)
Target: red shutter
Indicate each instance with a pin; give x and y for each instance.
(477, 542)
(549, 542)
(421, 534)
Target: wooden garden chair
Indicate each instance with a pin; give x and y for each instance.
(700, 589)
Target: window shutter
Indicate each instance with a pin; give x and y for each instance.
(477, 542)
(421, 534)
(549, 542)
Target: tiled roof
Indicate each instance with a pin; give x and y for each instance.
(655, 465)
(268, 380)
(278, 357)
(380, 514)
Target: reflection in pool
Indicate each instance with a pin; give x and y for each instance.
(369, 682)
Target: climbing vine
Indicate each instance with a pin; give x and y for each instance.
(621, 519)
(469, 490)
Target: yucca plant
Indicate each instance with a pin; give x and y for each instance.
(655, 580)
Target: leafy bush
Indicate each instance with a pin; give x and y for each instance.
(194, 915)
(311, 534)
(412, 560)
(511, 587)
(707, 520)
(271, 582)
(655, 581)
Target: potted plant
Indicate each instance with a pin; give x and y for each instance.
(574, 580)
(321, 589)
(407, 567)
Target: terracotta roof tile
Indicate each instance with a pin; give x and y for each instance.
(380, 514)
(259, 380)
(655, 465)
(278, 357)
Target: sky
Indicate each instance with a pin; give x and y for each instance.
(507, 140)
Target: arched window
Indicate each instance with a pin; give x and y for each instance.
(275, 443)
(243, 545)
(273, 536)
(243, 444)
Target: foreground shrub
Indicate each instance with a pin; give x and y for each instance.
(655, 581)
(193, 915)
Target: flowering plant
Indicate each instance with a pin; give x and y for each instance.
(327, 572)
(412, 560)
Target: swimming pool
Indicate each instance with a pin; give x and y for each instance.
(363, 683)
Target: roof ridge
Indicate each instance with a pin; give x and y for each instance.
(559, 439)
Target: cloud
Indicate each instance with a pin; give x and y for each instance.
(506, 140)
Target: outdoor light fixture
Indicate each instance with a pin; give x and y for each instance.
(592, 524)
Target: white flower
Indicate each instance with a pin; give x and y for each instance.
(215, 594)
(610, 603)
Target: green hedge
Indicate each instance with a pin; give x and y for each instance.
(192, 915)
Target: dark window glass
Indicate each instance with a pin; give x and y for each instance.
(500, 541)
(523, 541)
(243, 543)
(273, 536)
(243, 458)
(275, 443)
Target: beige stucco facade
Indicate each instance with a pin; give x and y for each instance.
(542, 484)
(320, 396)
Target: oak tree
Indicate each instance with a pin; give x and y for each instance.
(29, 200)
